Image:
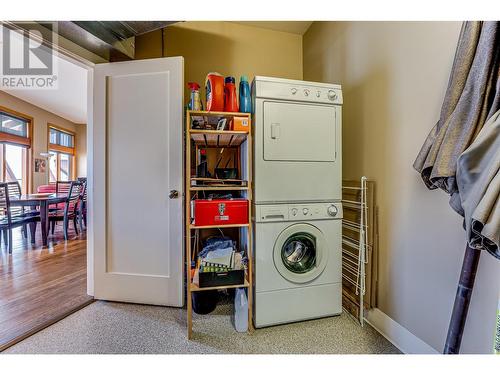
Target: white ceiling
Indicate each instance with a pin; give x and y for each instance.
(294, 27)
(68, 100)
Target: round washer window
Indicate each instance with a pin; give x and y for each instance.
(298, 253)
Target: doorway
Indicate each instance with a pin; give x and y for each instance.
(43, 148)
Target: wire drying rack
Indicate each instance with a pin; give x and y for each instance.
(355, 248)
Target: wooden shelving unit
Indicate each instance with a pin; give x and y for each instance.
(227, 187)
(240, 145)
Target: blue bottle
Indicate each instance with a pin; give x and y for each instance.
(245, 97)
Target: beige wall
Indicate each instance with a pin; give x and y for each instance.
(81, 150)
(40, 120)
(394, 77)
(227, 48)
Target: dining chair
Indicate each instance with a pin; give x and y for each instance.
(82, 207)
(14, 189)
(62, 187)
(12, 217)
(70, 209)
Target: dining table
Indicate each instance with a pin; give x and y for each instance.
(43, 201)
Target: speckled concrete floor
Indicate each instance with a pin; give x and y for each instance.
(106, 327)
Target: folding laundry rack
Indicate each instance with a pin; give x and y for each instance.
(358, 247)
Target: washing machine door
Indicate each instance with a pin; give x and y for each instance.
(300, 253)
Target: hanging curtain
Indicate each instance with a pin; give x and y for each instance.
(478, 180)
(472, 98)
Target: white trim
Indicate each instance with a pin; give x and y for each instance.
(89, 66)
(90, 182)
(398, 335)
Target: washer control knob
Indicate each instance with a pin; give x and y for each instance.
(294, 91)
(332, 210)
(294, 211)
(306, 92)
(332, 95)
(318, 94)
(305, 211)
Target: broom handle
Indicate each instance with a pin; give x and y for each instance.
(462, 301)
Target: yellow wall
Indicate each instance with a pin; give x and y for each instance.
(41, 118)
(227, 48)
(394, 76)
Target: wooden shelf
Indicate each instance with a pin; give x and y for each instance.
(218, 226)
(207, 131)
(225, 187)
(239, 144)
(218, 138)
(196, 288)
(218, 114)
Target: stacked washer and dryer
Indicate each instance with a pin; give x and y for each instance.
(297, 210)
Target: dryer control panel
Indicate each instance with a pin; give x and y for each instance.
(302, 91)
(298, 212)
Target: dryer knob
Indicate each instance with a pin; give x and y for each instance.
(332, 95)
(294, 211)
(294, 91)
(305, 211)
(306, 92)
(332, 210)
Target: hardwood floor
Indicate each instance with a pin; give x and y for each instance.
(39, 286)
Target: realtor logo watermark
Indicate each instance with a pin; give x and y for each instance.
(28, 59)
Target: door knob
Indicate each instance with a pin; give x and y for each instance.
(173, 194)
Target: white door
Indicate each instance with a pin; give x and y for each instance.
(138, 187)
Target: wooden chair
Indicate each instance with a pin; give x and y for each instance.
(13, 217)
(14, 189)
(48, 188)
(61, 187)
(82, 207)
(70, 209)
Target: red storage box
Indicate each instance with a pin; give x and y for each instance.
(220, 211)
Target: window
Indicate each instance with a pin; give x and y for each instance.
(61, 138)
(62, 154)
(15, 142)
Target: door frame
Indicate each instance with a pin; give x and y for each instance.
(91, 160)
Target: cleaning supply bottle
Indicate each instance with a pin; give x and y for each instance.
(230, 98)
(214, 85)
(240, 314)
(245, 97)
(195, 99)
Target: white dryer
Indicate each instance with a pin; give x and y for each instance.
(298, 262)
(297, 141)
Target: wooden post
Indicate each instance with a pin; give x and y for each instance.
(462, 301)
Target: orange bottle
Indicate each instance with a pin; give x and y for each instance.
(214, 85)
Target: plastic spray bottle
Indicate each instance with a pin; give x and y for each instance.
(245, 97)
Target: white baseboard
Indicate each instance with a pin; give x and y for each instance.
(398, 335)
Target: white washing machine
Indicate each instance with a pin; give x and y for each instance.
(298, 262)
(297, 141)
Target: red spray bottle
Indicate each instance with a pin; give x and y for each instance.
(230, 97)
